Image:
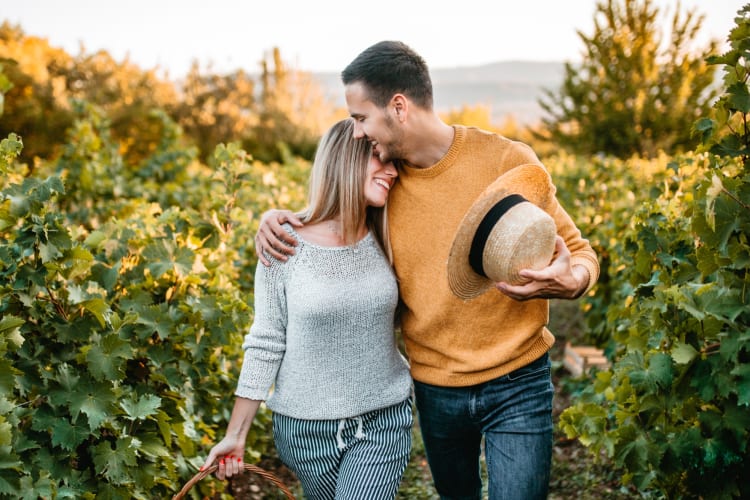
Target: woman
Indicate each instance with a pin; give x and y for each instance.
(323, 337)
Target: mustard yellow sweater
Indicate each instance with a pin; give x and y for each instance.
(449, 341)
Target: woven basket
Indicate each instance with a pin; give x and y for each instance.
(248, 467)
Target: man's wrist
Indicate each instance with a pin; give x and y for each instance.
(581, 273)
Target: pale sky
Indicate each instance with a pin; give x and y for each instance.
(325, 35)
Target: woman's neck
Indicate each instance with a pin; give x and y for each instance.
(330, 233)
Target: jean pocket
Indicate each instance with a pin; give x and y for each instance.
(538, 367)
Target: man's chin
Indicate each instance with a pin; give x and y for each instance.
(383, 156)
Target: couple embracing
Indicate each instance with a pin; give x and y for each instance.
(414, 221)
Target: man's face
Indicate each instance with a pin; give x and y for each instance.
(374, 123)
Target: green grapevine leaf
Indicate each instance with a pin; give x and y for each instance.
(683, 354)
(139, 409)
(105, 360)
(67, 435)
(114, 460)
(10, 330)
(742, 372)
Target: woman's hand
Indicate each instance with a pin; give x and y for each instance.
(229, 452)
(271, 237)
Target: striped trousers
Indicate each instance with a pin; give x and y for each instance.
(355, 458)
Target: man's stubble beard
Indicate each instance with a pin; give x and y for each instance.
(394, 150)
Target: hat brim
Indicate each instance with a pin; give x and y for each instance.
(532, 182)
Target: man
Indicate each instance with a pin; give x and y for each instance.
(481, 367)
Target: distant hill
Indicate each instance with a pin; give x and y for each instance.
(506, 88)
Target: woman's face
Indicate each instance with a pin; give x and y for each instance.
(379, 181)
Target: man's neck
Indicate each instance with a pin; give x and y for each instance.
(431, 140)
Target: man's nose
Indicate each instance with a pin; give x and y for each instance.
(358, 132)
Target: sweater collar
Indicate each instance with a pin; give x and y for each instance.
(459, 137)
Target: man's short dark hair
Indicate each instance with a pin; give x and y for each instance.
(389, 68)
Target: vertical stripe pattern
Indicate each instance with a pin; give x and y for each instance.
(369, 465)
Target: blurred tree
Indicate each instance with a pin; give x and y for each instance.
(293, 112)
(471, 116)
(215, 109)
(635, 91)
(5, 86)
(281, 117)
(127, 94)
(35, 105)
(46, 80)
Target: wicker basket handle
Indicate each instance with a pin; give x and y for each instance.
(248, 467)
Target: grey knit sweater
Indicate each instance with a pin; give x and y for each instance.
(323, 333)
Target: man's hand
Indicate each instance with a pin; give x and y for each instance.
(557, 281)
(271, 237)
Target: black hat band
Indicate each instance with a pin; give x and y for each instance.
(485, 228)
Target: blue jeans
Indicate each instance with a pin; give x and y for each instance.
(512, 412)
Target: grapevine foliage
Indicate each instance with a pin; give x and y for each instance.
(674, 409)
(124, 294)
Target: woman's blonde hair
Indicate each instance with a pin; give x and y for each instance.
(337, 181)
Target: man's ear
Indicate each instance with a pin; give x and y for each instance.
(400, 106)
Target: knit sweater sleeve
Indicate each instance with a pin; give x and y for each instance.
(265, 343)
(581, 251)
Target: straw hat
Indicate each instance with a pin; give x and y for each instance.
(503, 232)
